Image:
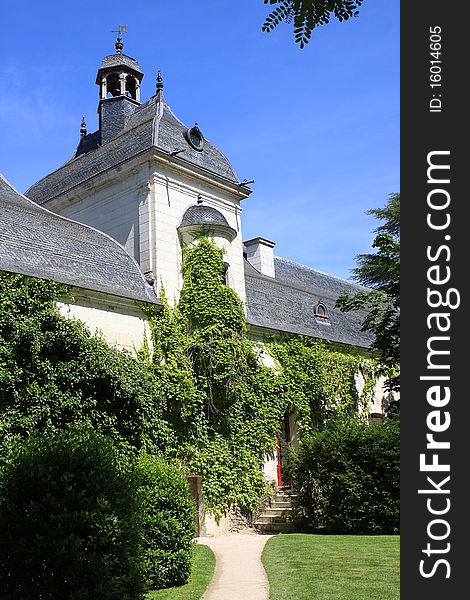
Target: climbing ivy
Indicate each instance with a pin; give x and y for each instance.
(220, 398)
(223, 402)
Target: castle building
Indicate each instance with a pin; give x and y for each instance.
(111, 222)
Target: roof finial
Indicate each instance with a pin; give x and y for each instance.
(159, 81)
(83, 128)
(119, 43)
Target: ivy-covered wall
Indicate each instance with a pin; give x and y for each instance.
(224, 403)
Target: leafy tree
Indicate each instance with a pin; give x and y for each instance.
(305, 15)
(381, 272)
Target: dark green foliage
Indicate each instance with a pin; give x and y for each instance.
(168, 523)
(347, 478)
(70, 520)
(204, 397)
(305, 15)
(53, 373)
(381, 272)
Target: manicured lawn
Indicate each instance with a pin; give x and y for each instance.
(202, 571)
(337, 567)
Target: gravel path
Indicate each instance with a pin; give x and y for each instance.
(239, 574)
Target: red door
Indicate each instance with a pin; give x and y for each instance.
(282, 438)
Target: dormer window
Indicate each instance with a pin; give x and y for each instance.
(194, 138)
(321, 313)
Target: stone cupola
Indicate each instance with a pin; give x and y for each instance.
(119, 79)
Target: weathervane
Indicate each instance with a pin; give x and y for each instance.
(119, 42)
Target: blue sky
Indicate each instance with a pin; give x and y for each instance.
(317, 129)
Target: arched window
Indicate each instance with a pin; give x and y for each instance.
(321, 313)
(130, 87)
(226, 279)
(113, 86)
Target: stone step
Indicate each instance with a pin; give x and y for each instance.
(264, 518)
(283, 497)
(274, 511)
(274, 527)
(275, 517)
(279, 504)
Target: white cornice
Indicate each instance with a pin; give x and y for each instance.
(139, 164)
(91, 297)
(201, 174)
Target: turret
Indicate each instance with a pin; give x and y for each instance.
(119, 79)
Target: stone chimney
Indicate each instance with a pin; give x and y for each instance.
(260, 254)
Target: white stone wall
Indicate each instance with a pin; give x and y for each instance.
(120, 210)
(121, 323)
(141, 206)
(172, 193)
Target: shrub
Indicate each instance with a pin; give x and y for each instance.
(347, 478)
(70, 521)
(168, 523)
(54, 373)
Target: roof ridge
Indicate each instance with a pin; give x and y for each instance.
(337, 277)
(73, 158)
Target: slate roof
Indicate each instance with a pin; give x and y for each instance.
(39, 243)
(117, 60)
(152, 124)
(286, 303)
(203, 215)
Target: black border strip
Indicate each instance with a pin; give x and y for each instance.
(434, 130)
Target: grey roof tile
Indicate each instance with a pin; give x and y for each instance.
(116, 60)
(39, 243)
(286, 303)
(152, 124)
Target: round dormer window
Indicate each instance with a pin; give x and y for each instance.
(195, 138)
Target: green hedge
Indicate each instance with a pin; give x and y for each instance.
(53, 372)
(347, 478)
(81, 520)
(168, 523)
(70, 521)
